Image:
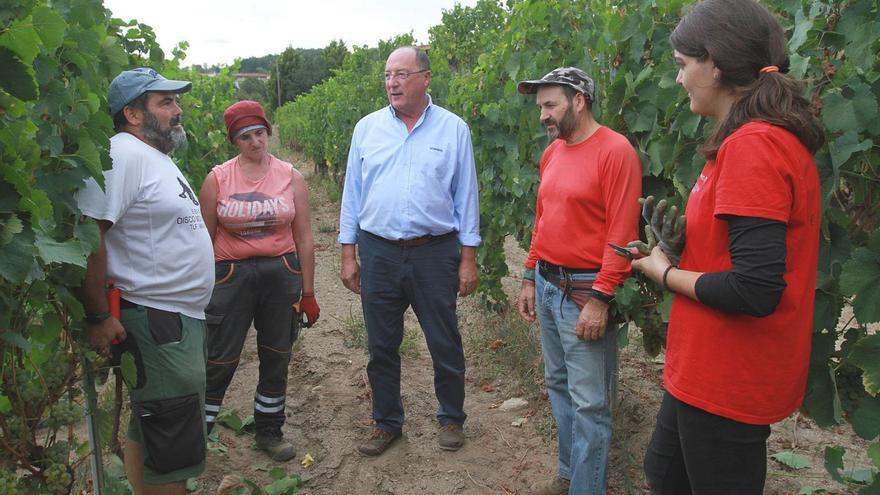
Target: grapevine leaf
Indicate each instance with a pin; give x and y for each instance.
(821, 401)
(89, 236)
(5, 405)
(866, 418)
(89, 153)
(113, 52)
(874, 453)
(16, 340)
(873, 488)
(861, 278)
(22, 39)
(129, 369)
(862, 476)
(844, 147)
(826, 311)
(792, 460)
(18, 257)
(834, 462)
(231, 419)
(53, 251)
(11, 226)
(50, 27)
(864, 355)
(865, 104)
(15, 78)
(838, 112)
(802, 25)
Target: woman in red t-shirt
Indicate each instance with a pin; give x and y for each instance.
(738, 344)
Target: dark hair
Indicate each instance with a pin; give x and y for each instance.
(139, 103)
(571, 92)
(741, 37)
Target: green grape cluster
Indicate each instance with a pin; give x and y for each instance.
(62, 414)
(58, 452)
(9, 483)
(850, 388)
(57, 371)
(57, 479)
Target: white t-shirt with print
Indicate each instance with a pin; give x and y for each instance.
(159, 252)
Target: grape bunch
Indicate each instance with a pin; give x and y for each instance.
(63, 413)
(850, 388)
(58, 479)
(9, 484)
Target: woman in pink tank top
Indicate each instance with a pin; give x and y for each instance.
(256, 209)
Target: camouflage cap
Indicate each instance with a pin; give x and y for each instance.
(566, 76)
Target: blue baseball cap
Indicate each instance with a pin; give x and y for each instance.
(132, 83)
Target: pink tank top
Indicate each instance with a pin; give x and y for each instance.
(254, 216)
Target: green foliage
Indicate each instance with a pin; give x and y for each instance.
(791, 460)
(302, 68)
(282, 484)
(58, 59)
(54, 133)
(233, 420)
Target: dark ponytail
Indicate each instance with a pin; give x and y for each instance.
(741, 38)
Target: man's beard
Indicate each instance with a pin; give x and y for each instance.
(165, 140)
(564, 128)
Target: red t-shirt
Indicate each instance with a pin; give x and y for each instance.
(588, 197)
(749, 369)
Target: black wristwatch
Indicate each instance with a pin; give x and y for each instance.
(95, 318)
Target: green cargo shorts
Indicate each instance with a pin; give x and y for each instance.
(168, 394)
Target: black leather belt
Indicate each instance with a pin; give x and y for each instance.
(415, 241)
(548, 269)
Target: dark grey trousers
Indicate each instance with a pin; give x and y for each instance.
(262, 291)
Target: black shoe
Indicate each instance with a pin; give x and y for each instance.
(274, 444)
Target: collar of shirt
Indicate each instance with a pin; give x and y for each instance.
(421, 117)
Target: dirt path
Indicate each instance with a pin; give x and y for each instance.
(328, 413)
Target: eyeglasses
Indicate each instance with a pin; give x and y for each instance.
(402, 74)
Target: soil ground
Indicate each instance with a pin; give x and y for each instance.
(328, 411)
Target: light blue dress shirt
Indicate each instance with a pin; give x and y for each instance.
(402, 185)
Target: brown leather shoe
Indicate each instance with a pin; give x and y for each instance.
(377, 443)
(558, 486)
(451, 437)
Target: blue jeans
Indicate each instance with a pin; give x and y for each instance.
(581, 379)
(426, 278)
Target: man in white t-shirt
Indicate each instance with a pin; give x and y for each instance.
(156, 250)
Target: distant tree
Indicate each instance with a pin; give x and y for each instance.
(335, 54)
(254, 89)
(262, 64)
(300, 69)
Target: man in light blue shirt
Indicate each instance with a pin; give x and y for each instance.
(410, 205)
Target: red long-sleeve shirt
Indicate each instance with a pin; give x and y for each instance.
(588, 197)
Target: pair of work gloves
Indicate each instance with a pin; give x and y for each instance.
(664, 228)
(308, 307)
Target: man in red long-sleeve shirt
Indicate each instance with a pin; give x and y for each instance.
(588, 196)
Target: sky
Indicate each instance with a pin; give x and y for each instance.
(218, 31)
